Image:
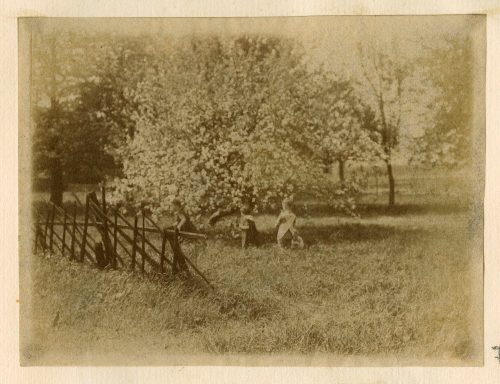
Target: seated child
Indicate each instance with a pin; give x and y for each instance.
(287, 233)
(248, 229)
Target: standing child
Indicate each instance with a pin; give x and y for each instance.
(285, 224)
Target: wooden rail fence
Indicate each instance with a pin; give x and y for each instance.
(108, 239)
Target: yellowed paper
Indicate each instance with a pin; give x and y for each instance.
(196, 365)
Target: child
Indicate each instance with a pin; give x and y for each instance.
(248, 229)
(182, 220)
(285, 224)
(182, 223)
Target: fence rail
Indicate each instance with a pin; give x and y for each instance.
(106, 238)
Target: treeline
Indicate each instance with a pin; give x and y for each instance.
(216, 121)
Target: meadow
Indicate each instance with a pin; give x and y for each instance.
(394, 288)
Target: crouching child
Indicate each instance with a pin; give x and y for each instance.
(183, 223)
(247, 227)
(182, 220)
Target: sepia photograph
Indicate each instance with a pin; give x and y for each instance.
(258, 191)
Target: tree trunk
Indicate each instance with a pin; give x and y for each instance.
(341, 171)
(56, 183)
(391, 184)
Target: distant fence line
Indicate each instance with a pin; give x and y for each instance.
(106, 238)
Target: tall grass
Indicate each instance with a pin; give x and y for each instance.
(382, 286)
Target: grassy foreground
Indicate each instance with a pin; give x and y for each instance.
(392, 290)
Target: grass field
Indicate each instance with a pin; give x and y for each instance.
(394, 288)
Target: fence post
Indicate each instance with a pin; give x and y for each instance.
(175, 260)
(47, 221)
(103, 198)
(64, 233)
(134, 242)
(162, 255)
(85, 226)
(143, 242)
(108, 247)
(52, 215)
(115, 238)
(73, 232)
(37, 235)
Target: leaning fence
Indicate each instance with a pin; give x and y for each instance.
(107, 239)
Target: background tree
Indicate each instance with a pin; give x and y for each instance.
(386, 71)
(337, 125)
(57, 73)
(447, 68)
(83, 104)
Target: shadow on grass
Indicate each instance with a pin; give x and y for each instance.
(355, 233)
(411, 209)
(370, 210)
(327, 233)
(336, 233)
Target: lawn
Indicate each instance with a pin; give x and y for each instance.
(382, 289)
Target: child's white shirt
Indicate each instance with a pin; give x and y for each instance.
(286, 221)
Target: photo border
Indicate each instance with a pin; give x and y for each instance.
(10, 193)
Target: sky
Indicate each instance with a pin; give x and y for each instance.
(328, 38)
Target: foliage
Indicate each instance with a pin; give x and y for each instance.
(81, 102)
(223, 121)
(338, 128)
(448, 70)
(385, 72)
(217, 121)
